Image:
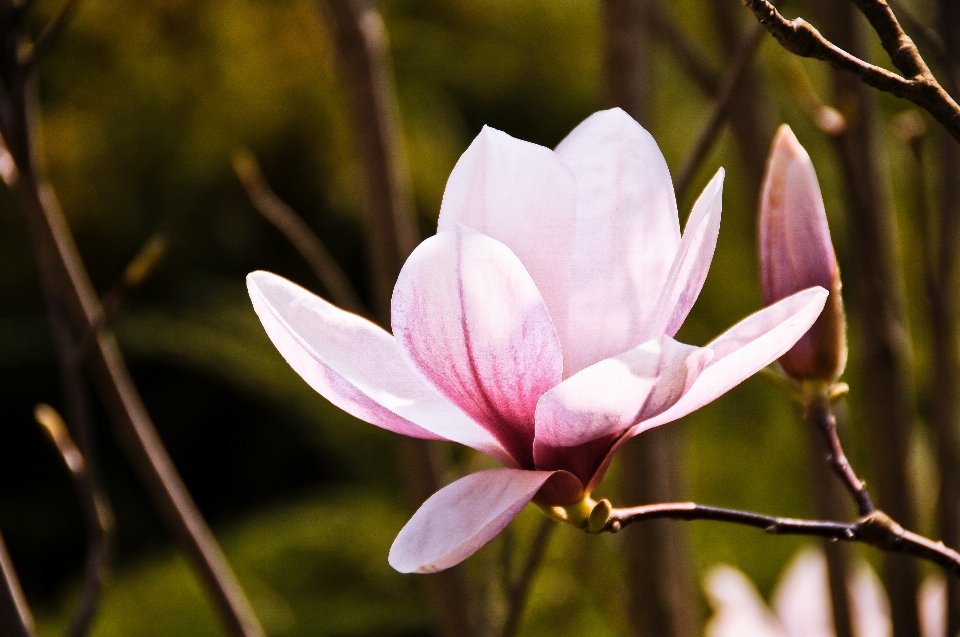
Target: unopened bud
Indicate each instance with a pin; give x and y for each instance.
(796, 253)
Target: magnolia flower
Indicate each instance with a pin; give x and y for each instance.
(536, 327)
(801, 603)
(796, 253)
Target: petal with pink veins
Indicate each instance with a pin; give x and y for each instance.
(524, 196)
(463, 516)
(738, 353)
(468, 316)
(627, 234)
(692, 263)
(608, 398)
(358, 367)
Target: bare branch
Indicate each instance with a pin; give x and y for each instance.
(297, 232)
(136, 272)
(520, 591)
(876, 529)
(50, 33)
(15, 618)
(97, 513)
(69, 292)
(818, 413)
(684, 48)
(718, 115)
(921, 88)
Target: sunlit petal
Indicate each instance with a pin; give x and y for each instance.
(358, 366)
(469, 317)
(462, 517)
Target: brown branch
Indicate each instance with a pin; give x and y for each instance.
(684, 49)
(298, 233)
(69, 290)
(15, 618)
(741, 60)
(818, 413)
(136, 272)
(519, 592)
(97, 514)
(920, 87)
(876, 529)
(50, 33)
(362, 54)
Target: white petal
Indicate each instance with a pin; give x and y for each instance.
(463, 516)
(738, 609)
(802, 598)
(525, 197)
(692, 263)
(627, 235)
(608, 398)
(358, 366)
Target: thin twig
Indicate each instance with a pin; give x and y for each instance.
(96, 511)
(718, 115)
(298, 233)
(15, 618)
(69, 290)
(50, 33)
(876, 529)
(136, 272)
(519, 593)
(920, 87)
(818, 412)
(684, 49)
(362, 54)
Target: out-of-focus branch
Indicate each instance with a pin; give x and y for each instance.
(136, 272)
(920, 86)
(741, 60)
(97, 514)
(519, 591)
(661, 596)
(69, 292)
(15, 618)
(877, 286)
(360, 40)
(684, 48)
(50, 33)
(360, 43)
(297, 232)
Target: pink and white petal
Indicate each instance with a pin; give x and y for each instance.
(524, 196)
(738, 353)
(627, 235)
(692, 263)
(802, 598)
(746, 348)
(608, 398)
(738, 609)
(461, 517)
(468, 316)
(358, 367)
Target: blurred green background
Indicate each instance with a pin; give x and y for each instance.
(143, 105)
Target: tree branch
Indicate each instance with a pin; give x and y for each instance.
(718, 115)
(298, 233)
(68, 289)
(15, 619)
(519, 592)
(818, 413)
(96, 512)
(876, 529)
(920, 87)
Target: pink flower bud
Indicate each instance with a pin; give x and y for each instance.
(796, 253)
